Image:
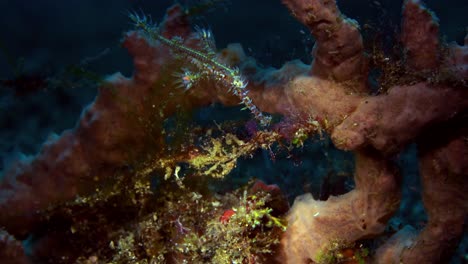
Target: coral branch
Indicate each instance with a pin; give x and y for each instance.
(361, 213)
(444, 167)
(420, 36)
(339, 51)
(444, 171)
(119, 128)
(457, 61)
(389, 122)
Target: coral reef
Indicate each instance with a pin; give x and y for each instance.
(121, 188)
